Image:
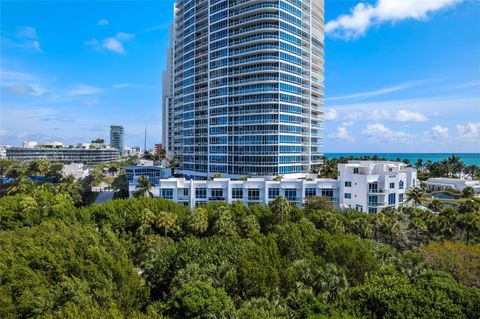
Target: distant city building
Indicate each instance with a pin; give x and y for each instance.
(3, 151)
(167, 99)
(366, 186)
(117, 137)
(29, 144)
(77, 170)
(158, 149)
(439, 184)
(247, 85)
(131, 150)
(63, 154)
(370, 186)
(153, 173)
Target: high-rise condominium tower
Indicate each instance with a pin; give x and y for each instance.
(167, 100)
(248, 86)
(117, 137)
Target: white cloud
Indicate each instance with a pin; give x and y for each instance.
(330, 114)
(84, 90)
(123, 36)
(380, 133)
(469, 132)
(342, 134)
(26, 38)
(113, 44)
(27, 32)
(409, 116)
(103, 22)
(91, 102)
(4, 132)
(372, 93)
(363, 16)
(439, 131)
(24, 89)
(348, 123)
(15, 76)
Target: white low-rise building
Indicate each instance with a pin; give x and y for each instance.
(439, 184)
(77, 170)
(366, 186)
(370, 186)
(258, 190)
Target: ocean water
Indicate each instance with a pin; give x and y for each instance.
(467, 158)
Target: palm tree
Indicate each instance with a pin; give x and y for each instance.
(470, 223)
(144, 188)
(145, 220)
(280, 207)
(419, 165)
(164, 220)
(23, 185)
(39, 167)
(224, 225)
(468, 192)
(112, 170)
(471, 170)
(173, 163)
(415, 196)
(198, 221)
(436, 205)
(72, 188)
(455, 164)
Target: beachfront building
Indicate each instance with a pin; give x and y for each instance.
(117, 137)
(167, 99)
(62, 154)
(257, 190)
(439, 184)
(247, 87)
(370, 186)
(364, 185)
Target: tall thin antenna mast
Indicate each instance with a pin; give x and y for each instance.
(145, 140)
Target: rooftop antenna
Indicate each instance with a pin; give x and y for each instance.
(145, 140)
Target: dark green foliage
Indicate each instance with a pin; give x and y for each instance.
(52, 269)
(151, 258)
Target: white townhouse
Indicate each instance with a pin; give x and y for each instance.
(258, 190)
(370, 186)
(366, 186)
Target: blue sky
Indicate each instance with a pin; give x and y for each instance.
(401, 76)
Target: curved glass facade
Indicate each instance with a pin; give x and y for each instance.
(248, 86)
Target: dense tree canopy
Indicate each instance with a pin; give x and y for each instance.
(151, 258)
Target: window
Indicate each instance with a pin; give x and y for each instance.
(273, 193)
(237, 193)
(348, 184)
(373, 188)
(372, 200)
(392, 185)
(327, 192)
(167, 193)
(201, 193)
(310, 192)
(185, 192)
(400, 198)
(217, 193)
(253, 194)
(355, 170)
(372, 210)
(391, 199)
(348, 195)
(291, 194)
(359, 208)
(400, 185)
